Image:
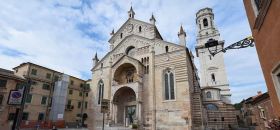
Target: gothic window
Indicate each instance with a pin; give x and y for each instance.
(166, 49)
(208, 95)
(147, 69)
(205, 22)
(100, 91)
(169, 92)
(213, 77)
(121, 35)
(211, 107)
(140, 28)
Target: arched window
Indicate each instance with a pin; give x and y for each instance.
(208, 95)
(213, 77)
(169, 92)
(121, 35)
(205, 22)
(100, 91)
(211, 107)
(130, 51)
(166, 49)
(140, 28)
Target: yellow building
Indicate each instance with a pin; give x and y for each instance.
(8, 81)
(39, 98)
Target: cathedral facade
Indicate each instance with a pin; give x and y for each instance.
(149, 82)
(153, 84)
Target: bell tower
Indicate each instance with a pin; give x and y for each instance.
(212, 68)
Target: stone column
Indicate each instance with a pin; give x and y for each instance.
(110, 88)
(152, 80)
(139, 112)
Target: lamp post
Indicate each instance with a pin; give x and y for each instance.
(212, 45)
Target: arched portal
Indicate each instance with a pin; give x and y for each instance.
(124, 106)
(126, 73)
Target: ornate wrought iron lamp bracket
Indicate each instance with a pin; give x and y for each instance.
(246, 42)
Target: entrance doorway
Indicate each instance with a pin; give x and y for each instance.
(124, 106)
(130, 114)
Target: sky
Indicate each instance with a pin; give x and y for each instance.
(64, 35)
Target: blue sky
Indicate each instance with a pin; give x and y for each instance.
(65, 34)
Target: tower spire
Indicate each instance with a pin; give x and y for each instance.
(131, 13)
(152, 19)
(181, 31)
(112, 33)
(182, 36)
(95, 60)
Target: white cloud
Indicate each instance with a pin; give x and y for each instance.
(48, 33)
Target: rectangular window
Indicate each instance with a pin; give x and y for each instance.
(86, 94)
(81, 85)
(86, 105)
(70, 91)
(3, 83)
(34, 72)
(80, 94)
(276, 80)
(44, 100)
(71, 82)
(79, 104)
(1, 99)
(25, 116)
(56, 78)
(69, 102)
(19, 86)
(11, 116)
(28, 98)
(46, 86)
(41, 116)
(48, 76)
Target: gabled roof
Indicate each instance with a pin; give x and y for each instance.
(10, 75)
(158, 35)
(126, 56)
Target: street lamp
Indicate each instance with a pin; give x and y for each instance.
(212, 45)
